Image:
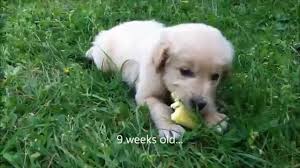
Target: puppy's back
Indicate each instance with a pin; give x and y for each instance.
(130, 40)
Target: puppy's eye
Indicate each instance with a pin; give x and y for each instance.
(186, 72)
(215, 76)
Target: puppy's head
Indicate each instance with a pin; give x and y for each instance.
(191, 59)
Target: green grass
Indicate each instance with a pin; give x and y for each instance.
(52, 118)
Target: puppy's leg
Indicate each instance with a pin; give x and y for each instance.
(96, 54)
(100, 54)
(130, 72)
(161, 116)
(215, 119)
(100, 58)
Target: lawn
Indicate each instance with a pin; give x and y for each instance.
(58, 110)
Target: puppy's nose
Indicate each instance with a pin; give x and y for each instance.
(198, 102)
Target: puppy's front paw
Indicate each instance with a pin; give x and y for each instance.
(171, 131)
(216, 120)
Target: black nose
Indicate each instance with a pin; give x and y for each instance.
(198, 102)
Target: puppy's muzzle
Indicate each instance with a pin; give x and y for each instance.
(198, 103)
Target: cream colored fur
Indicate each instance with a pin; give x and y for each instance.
(152, 56)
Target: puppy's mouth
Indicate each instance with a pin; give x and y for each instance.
(171, 100)
(188, 104)
(194, 104)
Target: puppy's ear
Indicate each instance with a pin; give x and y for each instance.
(160, 56)
(227, 71)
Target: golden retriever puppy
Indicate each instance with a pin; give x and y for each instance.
(188, 59)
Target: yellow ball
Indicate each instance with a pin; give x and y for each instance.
(183, 115)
